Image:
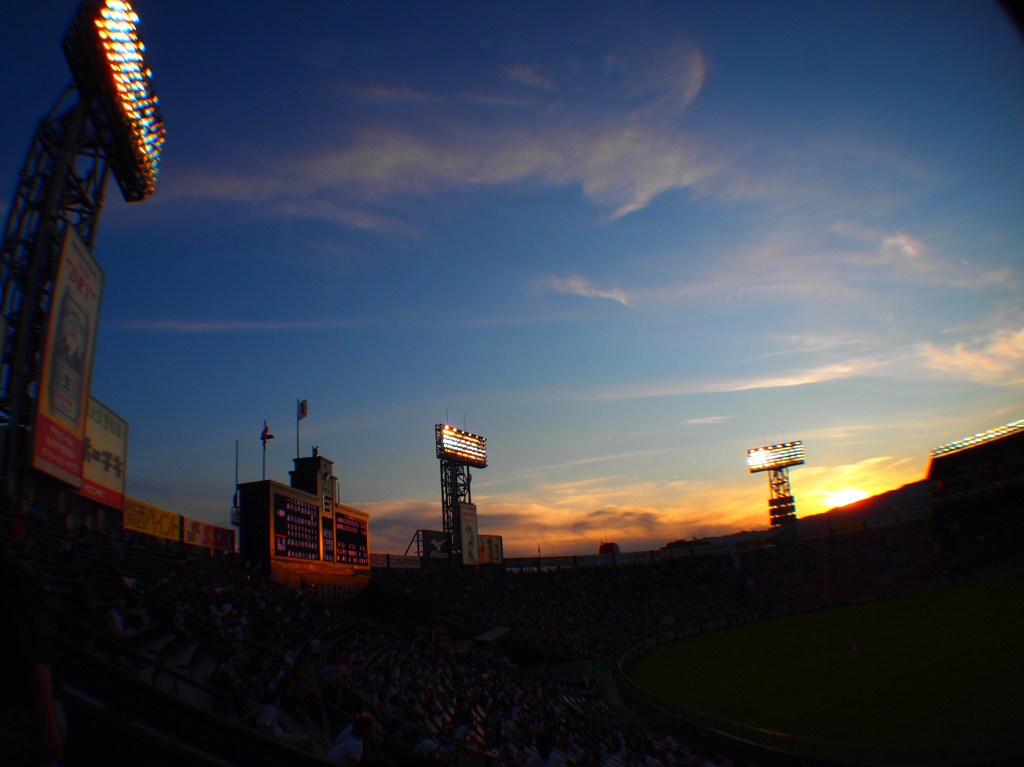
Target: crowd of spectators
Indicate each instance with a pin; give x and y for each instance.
(576, 612)
(297, 669)
(592, 612)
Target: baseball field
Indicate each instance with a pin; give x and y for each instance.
(933, 675)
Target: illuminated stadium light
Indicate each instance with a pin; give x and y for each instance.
(770, 457)
(977, 439)
(107, 59)
(460, 446)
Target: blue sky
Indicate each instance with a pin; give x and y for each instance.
(623, 241)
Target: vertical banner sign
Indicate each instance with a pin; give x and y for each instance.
(491, 550)
(66, 370)
(103, 456)
(470, 544)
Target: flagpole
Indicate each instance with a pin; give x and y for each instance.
(266, 435)
(298, 405)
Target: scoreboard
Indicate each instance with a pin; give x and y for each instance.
(350, 540)
(295, 528)
(283, 524)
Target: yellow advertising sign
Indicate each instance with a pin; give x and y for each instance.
(143, 518)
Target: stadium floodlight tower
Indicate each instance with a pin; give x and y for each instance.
(457, 450)
(776, 460)
(107, 119)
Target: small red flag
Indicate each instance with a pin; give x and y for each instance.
(266, 434)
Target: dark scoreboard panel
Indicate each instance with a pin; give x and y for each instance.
(296, 528)
(350, 540)
(300, 530)
(327, 529)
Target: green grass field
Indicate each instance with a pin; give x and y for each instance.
(936, 673)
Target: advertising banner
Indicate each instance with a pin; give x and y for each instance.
(394, 561)
(437, 547)
(66, 369)
(208, 536)
(470, 541)
(402, 562)
(491, 550)
(197, 533)
(222, 539)
(143, 518)
(103, 456)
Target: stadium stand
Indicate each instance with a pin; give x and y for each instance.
(165, 653)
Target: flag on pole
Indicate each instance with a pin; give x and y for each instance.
(266, 434)
(303, 410)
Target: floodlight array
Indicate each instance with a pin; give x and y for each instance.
(116, 28)
(977, 439)
(460, 446)
(107, 60)
(778, 456)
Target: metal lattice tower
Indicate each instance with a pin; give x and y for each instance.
(457, 450)
(776, 460)
(62, 183)
(455, 490)
(781, 504)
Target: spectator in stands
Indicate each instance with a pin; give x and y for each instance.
(179, 625)
(268, 723)
(31, 720)
(546, 755)
(114, 619)
(329, 678)
(351, 742)
(427, 753)
(266, 717)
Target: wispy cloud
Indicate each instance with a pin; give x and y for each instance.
(613, 133)
(997, 359)
(611, 125)
(581, 286)
(230, 326)
(577, 522)
(527, 74)
(393, 94)
(796, 377)
(899, 255)
(819, 343)
(572, 488)
(708, 420)
(352, 216)
(820, 374)
(901, 247)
